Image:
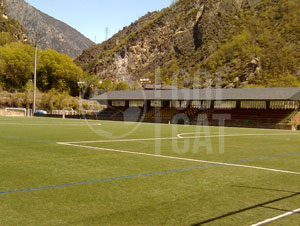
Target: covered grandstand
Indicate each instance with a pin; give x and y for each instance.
(256, 107)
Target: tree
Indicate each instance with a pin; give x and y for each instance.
(6, 38)
(58, 71)
(107, 85)
(121, 86)
(16, 61)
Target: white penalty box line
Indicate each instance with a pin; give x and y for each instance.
(79, 144)
(270, 220)
(179, 136)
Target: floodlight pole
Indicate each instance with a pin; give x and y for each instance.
(80, 85)
(34, 79)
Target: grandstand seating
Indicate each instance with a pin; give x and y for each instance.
(252, 107)
(268, 116)
(120, 113)
(150, 113)
(108, 113)
(238, 117)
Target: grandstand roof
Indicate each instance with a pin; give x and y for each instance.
(205, 94)
(159, 87)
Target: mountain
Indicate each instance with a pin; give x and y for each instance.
(10, 29)
(52, 33)
(206, 43)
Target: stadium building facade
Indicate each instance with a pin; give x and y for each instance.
(276, 108)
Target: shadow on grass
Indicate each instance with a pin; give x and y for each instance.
(263, 204)
(273, 208)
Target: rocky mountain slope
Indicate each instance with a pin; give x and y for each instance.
(52, 33)
(10, 29)
(206, 43)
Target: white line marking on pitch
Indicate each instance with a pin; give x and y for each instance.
(242, 135)
(111, 141)
(179, 158)
(277, 218)
(179, 136)
(43, 124)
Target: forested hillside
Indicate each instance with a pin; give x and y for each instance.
(52, 33)
(59, 80)
(10, 29)
(206, 43)
(55, 71)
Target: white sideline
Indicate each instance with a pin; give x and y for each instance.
(179, 136)
(277, 218)
(44, 124)
(178, 158)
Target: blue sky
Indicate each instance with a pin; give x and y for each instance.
(92, 17)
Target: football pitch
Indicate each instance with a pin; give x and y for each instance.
(80, 172)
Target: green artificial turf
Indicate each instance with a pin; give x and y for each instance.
(97, 184)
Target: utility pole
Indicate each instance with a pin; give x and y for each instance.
(34, 79)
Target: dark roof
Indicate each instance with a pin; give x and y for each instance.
(205, 94)
(159, 87)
